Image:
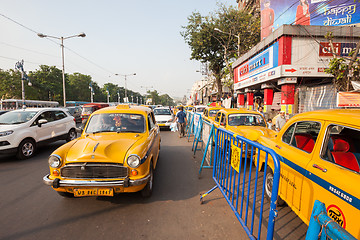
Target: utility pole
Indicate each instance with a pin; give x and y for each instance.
(20, 67)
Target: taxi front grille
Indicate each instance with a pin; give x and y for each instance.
(94, 170)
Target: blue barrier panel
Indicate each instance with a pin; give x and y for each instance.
(233, 174)
(198, 123)
(208, 136)
(321, 226)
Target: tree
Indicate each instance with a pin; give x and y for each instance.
(47, 84)
(343, 69)
(220, 49)
(10, 84)
(78, 87)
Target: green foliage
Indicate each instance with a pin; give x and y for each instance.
(47, 84)
(157, 99)
(344, 69)
(220, 49)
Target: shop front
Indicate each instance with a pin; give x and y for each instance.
(287, 69)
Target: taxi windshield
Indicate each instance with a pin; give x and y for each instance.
(212, 113)
(16, 117)
(116, 122)
(162, 111)
(241, 119)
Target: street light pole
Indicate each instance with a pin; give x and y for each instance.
(237, 36)
(125, 75)
(62, 56)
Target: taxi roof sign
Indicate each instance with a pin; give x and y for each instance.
(123, 106)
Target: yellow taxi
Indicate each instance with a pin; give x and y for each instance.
(188, 108)
(210, 113)
(116, 152)
(244, 122)
(177, 108)
(320, 160)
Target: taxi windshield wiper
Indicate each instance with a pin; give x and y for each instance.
(101, 131)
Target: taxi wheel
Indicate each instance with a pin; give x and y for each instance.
(66, 194)
(147, 191)
(269, 178)
(26, 149)
(71, 135)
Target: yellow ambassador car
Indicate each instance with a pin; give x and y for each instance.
(320, 160)
(117, 152)
(246, 123)
(209, 113)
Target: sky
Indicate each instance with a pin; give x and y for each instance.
(122, 37)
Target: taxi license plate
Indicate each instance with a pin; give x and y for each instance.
(161, 124)
(93, 192)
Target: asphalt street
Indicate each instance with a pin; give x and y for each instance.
(31, 210)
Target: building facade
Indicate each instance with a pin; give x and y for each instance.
(286, 70)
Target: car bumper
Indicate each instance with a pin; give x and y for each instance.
(56, 183)
(164, 124)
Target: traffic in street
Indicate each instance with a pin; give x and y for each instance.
(32, 210)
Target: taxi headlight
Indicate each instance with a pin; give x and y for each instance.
(133, 161)
(54, 161)
(2, 134)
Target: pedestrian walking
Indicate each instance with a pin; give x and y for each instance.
(280, 121)
(181, 121)
(261, 111)
(270, 124)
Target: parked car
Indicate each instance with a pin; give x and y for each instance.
(163, 116)
(117, 152)
(23, 130)
(199, 108)
(247, 123)
(89, 108)
(75, 112)
(319, 160)
(209, 113)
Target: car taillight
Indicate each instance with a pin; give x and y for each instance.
(74, 120)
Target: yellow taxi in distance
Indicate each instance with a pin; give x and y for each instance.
(320, 160)
(247, 123)
(188, 108)
(210, 113)
(116, 152)
(177, 108)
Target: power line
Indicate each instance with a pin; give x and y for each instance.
(36, 32)
(7, 44)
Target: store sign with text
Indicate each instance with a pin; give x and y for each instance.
(340, 49)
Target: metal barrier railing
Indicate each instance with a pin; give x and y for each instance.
(322, 227)
(198, 127)
(233, 174)
(208, 136)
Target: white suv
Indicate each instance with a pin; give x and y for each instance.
(163, 116)
(21, 131)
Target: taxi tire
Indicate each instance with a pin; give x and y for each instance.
(147, 191)
(268, 187)
(30, 145)
(66, 194)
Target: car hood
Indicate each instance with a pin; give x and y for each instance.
(8, 127)
(105, 147)
(253, 132)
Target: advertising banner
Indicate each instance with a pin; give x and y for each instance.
(275, 13)
(348, 99)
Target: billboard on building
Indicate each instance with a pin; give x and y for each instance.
(275, 13)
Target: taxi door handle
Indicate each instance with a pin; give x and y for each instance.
(318, 167)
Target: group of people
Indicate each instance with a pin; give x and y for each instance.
(277, 122)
